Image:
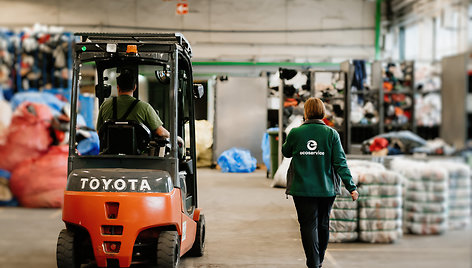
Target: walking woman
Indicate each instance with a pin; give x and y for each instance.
(317, 154)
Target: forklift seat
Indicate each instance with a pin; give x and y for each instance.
(124, 137)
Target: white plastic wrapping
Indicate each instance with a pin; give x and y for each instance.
(338, 237)
(381, 236)
(426, 196)
(343, 218)
(380, 206)
(280, 177)
(376, 216)
(344, 225)
(459, 194)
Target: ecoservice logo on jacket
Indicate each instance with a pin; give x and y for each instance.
(312, 145)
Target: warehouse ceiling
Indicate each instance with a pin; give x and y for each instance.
(405, 12)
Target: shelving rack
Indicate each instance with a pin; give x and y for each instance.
(344, 128)
(359, 131)
(456, 87)
(430, 87)
(405, 89)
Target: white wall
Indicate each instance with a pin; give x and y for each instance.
(431, 32)
(294, 30)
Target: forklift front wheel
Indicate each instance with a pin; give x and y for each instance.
(198, 247)
(168, 249)
(66, 251)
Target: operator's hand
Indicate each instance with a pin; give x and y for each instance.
(354, 195)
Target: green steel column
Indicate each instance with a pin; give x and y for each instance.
(378, 15)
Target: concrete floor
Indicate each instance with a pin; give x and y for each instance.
(249, 224)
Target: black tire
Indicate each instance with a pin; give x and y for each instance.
(198, 247)
(168, 249)
(67, 251)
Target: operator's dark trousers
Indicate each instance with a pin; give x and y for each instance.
(313, 216)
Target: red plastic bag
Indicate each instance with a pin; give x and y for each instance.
(378, 144)
(28, 136)
(41, 182)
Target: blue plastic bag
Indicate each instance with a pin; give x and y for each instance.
(39, 97)
(90, 145)
(6, 198)
(237, 160)
(265, 146)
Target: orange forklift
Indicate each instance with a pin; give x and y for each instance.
(136, 201)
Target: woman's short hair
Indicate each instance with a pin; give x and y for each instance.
(314, 109)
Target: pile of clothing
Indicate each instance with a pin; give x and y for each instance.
(203, 142)
(34, 148)
(363, 110)
(427, 77)
(43, 58)
(428, 110)
(330, 87)
(295, 92)
(404, 142)
(7, 59)
(398, 105)
(426, 196)
(364, 104)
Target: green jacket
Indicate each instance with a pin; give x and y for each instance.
(316, 150)
(142, 112)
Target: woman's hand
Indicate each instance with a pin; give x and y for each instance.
(354, 195)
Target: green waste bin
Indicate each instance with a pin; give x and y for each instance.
(274, 151)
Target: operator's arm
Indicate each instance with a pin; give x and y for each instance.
(162, 132)
(155, 123)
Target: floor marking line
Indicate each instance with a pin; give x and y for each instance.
(331, 259)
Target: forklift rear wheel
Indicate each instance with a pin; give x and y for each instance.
(168, 249)
(66, 252)
(198, 247)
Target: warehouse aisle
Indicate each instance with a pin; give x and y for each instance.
(249, 225)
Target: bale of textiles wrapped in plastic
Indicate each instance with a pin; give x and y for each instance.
(425, 196)
(380, 206)
(459, 211)
(343, 223)
(352, 221)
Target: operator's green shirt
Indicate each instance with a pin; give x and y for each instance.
(142, 112)
(315, 148)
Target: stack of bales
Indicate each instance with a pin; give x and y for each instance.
(376, 218)
(459, 193)
(426, 196)
(343, 218)
(380, 206)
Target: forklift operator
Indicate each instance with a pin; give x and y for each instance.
(142, 112)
